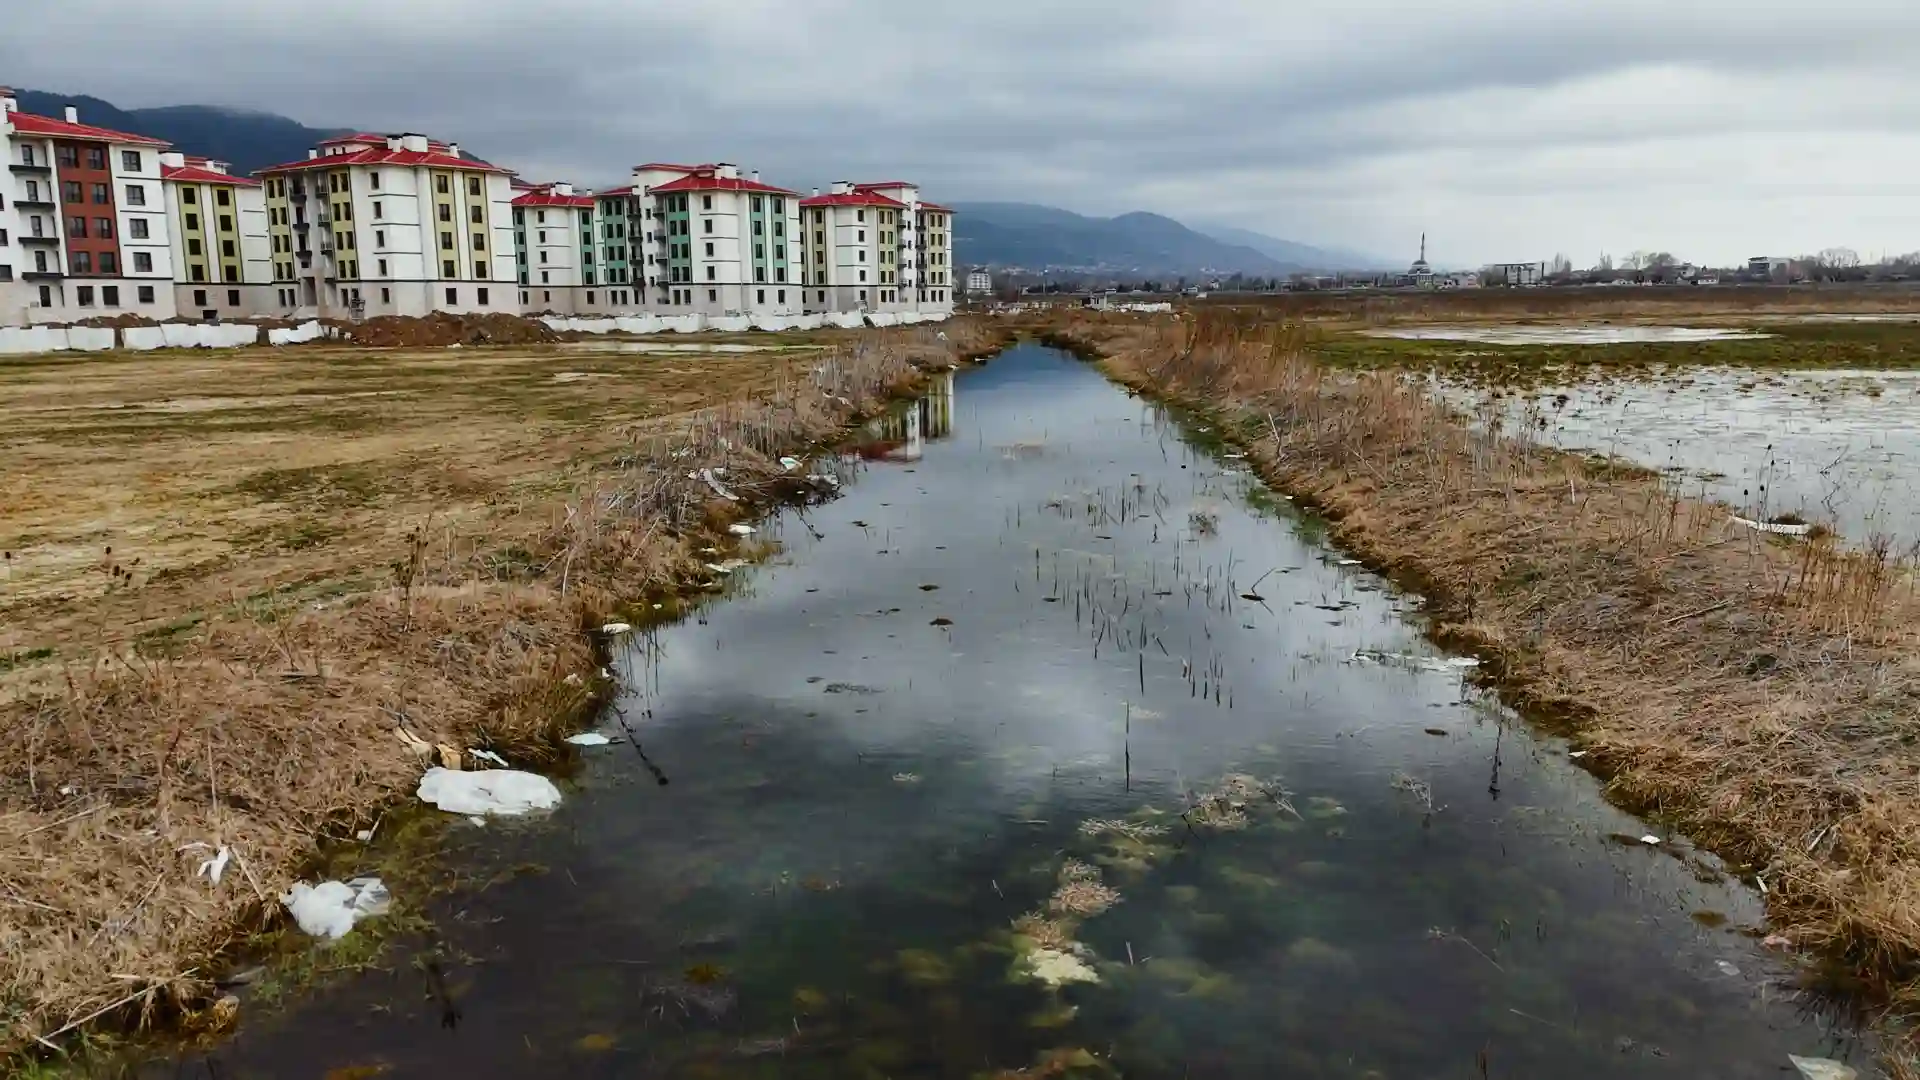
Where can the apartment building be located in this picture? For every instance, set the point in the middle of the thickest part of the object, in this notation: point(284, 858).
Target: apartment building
point(876, 247)
point(553, 233)
point(372, 225)
point(714, 242)
point(219, 241)
point(83, 223)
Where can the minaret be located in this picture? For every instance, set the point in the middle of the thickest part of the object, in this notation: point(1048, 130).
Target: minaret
point(1423, 247)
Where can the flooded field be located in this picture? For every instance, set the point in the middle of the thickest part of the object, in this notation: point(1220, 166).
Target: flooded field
point(1056, 744)
point(1603, 334)
point(1837, 447)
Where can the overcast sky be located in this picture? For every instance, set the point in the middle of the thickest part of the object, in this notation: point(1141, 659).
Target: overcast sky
point(1507, 129)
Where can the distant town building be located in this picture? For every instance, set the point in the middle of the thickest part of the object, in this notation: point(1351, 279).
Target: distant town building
point(1516, 274)
point(876, 247)
point(1766, 266)
point(1421, 273)
point(979, 281)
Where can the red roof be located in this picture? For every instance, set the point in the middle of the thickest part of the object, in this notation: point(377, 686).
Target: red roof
point(29, 124)
point(376, 140)
point(706, 179)
point(675, 168)
point(193, 174)
point(548, 197)
point(856, 198)
point(382, 156)
point(936, 206)
point(884, 184)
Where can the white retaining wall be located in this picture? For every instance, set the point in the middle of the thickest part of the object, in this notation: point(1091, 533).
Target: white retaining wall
point(693, 324)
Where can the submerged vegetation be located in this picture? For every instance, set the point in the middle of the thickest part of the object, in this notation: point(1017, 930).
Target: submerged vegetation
point(1756, 692)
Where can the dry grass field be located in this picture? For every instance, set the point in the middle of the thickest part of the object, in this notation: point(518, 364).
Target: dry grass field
point(231, 581)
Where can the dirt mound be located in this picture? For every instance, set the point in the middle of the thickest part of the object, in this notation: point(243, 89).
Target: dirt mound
point(440, 328)
point(117, 321)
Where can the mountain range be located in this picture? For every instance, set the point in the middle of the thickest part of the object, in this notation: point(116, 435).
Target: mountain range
point(1040, 238)
point(246, 140)
point(997, 234)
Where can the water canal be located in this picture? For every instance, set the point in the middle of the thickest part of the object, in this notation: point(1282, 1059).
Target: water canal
point(1055, 744)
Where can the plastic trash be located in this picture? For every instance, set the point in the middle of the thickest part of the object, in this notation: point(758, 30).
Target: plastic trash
point(1822, 1068)
point(718, 488)
point(328, 910)
point(487, 755)
point(589, 738)
point(1772, 527)
point(215, 866)
point(790, 463)
point(617, 628)
point(1651, 841)
point(503, 792)
point(741, 530)
point(1578, 754)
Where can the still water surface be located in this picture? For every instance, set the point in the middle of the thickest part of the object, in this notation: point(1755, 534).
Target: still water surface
point(1051, 637)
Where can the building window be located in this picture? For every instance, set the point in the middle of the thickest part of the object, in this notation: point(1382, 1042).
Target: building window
point(710, 274)
point(142, 262)
point(482, 296)
point(453, 296)
point(146, 294)
point(446, 241)
point(6, 272)
point(137, 228)
point(68, 156)
point(446, 212)
point(544, 279)
point(222, 197)
point(373, 179)
point(226, 248)
point(109, 263)
point(709, 249)
point(226, 221)
point(136, 195)
point(479, 241)
point(193, 246)
point(70, 191)
point(231, 274)
point(382, 263)
point(760, 296)
point(707, 225)
point(446, 268)
point(386, 296)
point(82, 262)
point(473, 186)
point(480, 271)
point(77, 228)
point(443, 186)
point(46, 296)
point(84, 295)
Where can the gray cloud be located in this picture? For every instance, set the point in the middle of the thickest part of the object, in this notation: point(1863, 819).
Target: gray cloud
point(1508, 128)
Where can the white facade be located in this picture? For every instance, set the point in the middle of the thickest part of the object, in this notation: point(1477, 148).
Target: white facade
point(218, 244)
point(877, 247)
point(979, 282)
point(83, 229)
point(713, 242)
point(553, 239)
point(375, 225)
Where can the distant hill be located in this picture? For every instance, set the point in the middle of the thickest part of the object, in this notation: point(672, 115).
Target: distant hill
point(1292, 251)
point(247, 140)
point(1038, 237)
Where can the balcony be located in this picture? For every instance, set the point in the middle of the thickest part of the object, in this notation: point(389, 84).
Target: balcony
point(303, 226)
point(297, 195)
point(41, 275)
point(31, 168)
point(49, 240)
point(34, 203)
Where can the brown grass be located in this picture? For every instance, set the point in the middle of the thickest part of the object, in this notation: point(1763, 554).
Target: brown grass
point(1761, 695)
point(240, 615)
point(1626, 303)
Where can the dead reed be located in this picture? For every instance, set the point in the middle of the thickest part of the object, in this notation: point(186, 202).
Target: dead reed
point(279, 728)
point(1761, 693)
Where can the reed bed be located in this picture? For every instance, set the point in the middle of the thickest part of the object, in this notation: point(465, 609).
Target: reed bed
point(1758, 693)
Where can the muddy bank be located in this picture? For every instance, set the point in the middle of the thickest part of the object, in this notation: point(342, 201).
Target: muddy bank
point(271, 726)
point(1758, 694)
